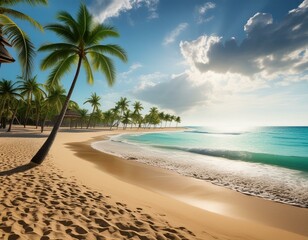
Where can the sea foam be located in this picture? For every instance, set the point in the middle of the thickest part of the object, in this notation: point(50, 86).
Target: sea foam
point(256, 179)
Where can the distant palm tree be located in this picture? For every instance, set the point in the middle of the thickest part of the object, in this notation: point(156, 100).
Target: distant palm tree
point(30, 90)
point(83, 116)
point(94, 101)
point(109, 118)
point(161, 116)
point(154, 116)
point(98, 117)
point(82, 37)
point(122, 104)
point(167, 119)
point(8, 93)
point(16, 35)
point(136, 115)
point(177, 120)
point(126, 118)
point(53, 103)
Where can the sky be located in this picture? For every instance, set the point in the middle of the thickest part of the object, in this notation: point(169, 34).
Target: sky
point(227, 63)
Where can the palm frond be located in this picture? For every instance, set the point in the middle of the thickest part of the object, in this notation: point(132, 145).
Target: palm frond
point(112, 49)
point(105, 65)
point(89, 73)
point(54, 57)
point(57, 46)
point(21, 42)
point(84, 20)
point(60, 69)
point(32, 2)
point(22, 16)
point(68, 20)
point(99, 33)
point(62, 31)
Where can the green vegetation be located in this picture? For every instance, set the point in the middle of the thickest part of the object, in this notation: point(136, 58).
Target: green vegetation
point(14, 99)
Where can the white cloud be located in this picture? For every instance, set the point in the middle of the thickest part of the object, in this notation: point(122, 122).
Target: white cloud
point(104, 9)
point(270, 49)
point(234, 78)
point(131, 69)
point(171, 37)
point(177, 93)
point(202, 12)
point(258, 20)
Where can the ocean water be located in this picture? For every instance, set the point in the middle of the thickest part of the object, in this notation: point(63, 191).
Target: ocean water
point(268, 162)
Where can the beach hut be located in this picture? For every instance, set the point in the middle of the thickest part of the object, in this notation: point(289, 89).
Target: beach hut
point(72, 116)
point(5, 57)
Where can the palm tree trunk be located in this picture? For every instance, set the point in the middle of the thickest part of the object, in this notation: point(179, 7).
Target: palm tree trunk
point(13, 117)
point(43, 151)
point(90, 117)
point(43, 123)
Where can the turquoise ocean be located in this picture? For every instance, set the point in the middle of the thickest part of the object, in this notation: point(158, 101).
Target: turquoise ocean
point(268, 162)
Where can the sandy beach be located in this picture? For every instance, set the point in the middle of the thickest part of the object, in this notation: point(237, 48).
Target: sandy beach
point(82, 193)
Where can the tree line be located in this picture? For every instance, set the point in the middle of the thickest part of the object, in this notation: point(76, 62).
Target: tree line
point(28, 102)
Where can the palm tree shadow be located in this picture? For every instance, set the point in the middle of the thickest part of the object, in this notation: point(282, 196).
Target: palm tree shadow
point(19, 169)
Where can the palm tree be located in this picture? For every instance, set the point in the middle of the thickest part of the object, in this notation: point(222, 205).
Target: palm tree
point(83, 116)
point(136, 115)
point(16, 35)
point(177, 120)
point(122, 104)
point(161, 116)
point(167, 119)
point(126, 118)
point(82, 37)
point(94, 101)
point(53, 103)
point(31, 90)
point(154, 116)
point(98, 117)
point(8, 92)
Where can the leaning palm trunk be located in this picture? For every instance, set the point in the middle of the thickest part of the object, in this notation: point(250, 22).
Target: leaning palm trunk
point(43, 151)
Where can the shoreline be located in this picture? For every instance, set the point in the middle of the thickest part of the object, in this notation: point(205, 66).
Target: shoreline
point(195, 166)
point(237, 216)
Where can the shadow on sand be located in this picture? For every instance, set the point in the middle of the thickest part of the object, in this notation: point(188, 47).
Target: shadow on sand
point(22, 168)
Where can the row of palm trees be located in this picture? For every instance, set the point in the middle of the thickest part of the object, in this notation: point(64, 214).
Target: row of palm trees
point(27, 101)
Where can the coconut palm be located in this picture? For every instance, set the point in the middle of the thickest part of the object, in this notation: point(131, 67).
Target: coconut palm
point(82, 38)
point(83, 113)
point(30, 90)
point(18, 38)
point(136, 115)
point(177, 120)
point(53, 103)
point(94, 101)
point(126, 118)
point(161, 116)
point(167, 119)
point(122, 105)
point(8, 92)
point(98, 117)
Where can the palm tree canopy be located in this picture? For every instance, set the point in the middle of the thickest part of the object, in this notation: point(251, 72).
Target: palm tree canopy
point(18, 38)
point(81, 40)
point(31, 88)
point(56, 98)
point(123, 104)
point(137, 107)
point(8, 90)
point(93, 100)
